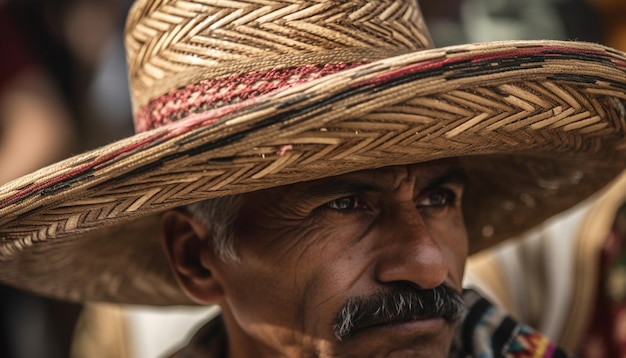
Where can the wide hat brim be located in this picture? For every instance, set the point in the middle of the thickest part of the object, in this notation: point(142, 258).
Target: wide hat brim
point(538, 126)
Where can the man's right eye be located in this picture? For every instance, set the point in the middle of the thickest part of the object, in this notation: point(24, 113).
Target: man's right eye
point(345, 203)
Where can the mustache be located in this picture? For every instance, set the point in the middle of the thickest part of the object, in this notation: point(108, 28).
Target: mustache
point(398, 304)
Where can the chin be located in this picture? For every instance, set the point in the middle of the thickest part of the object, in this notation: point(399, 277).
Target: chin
point(406, 352)
point(413, 339)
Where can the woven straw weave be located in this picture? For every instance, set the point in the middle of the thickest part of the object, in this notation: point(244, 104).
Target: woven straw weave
point(187, 41)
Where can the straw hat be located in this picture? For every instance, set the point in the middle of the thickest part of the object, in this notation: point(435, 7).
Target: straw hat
point(234, 96)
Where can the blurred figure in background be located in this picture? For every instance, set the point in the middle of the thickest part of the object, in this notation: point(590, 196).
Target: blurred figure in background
point(461, 21)
point(37, 127)
point(613, 14)
point(50, 52)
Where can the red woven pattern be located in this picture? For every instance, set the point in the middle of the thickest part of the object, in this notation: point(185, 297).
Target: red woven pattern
point(219, 92)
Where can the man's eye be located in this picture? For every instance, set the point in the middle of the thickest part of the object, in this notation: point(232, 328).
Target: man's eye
point(438, 199)
point(345, 203)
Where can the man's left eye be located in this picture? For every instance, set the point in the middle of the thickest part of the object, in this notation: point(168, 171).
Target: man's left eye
point(345, 203)
point(438, 199)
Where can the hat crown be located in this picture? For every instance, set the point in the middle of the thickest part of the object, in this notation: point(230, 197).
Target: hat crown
point(173, 43)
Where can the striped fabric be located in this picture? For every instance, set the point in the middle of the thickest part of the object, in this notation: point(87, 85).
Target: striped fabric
point(488, 331)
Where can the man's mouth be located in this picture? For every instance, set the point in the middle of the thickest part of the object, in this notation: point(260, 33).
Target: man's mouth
point(415, 327)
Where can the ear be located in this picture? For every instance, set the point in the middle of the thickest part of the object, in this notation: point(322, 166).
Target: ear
point(187, 246)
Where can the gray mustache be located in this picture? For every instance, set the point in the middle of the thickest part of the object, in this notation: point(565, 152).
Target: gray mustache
point(398, 304)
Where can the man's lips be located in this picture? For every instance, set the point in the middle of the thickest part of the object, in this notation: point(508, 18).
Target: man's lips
point(419, 323)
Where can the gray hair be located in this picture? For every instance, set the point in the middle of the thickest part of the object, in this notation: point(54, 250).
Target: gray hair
point(218, 215)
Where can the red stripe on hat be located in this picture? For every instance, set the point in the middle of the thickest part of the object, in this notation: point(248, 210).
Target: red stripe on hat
point(219, 92)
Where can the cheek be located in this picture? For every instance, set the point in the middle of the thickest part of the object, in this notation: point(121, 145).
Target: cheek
point(262, 296)
point(326, 263)
point(293, 278)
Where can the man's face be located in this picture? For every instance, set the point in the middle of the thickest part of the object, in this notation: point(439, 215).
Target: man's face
point(312, 250)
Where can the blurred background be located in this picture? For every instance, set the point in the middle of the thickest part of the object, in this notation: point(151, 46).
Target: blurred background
point(63, 90)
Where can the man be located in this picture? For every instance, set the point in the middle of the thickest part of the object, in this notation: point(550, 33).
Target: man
point(318, 171)
point(331, 267)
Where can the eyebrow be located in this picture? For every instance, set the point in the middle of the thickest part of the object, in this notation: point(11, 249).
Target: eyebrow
point(332, 187)
point(455, 175)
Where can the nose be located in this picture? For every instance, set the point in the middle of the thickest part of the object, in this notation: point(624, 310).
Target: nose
point(408, 252)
